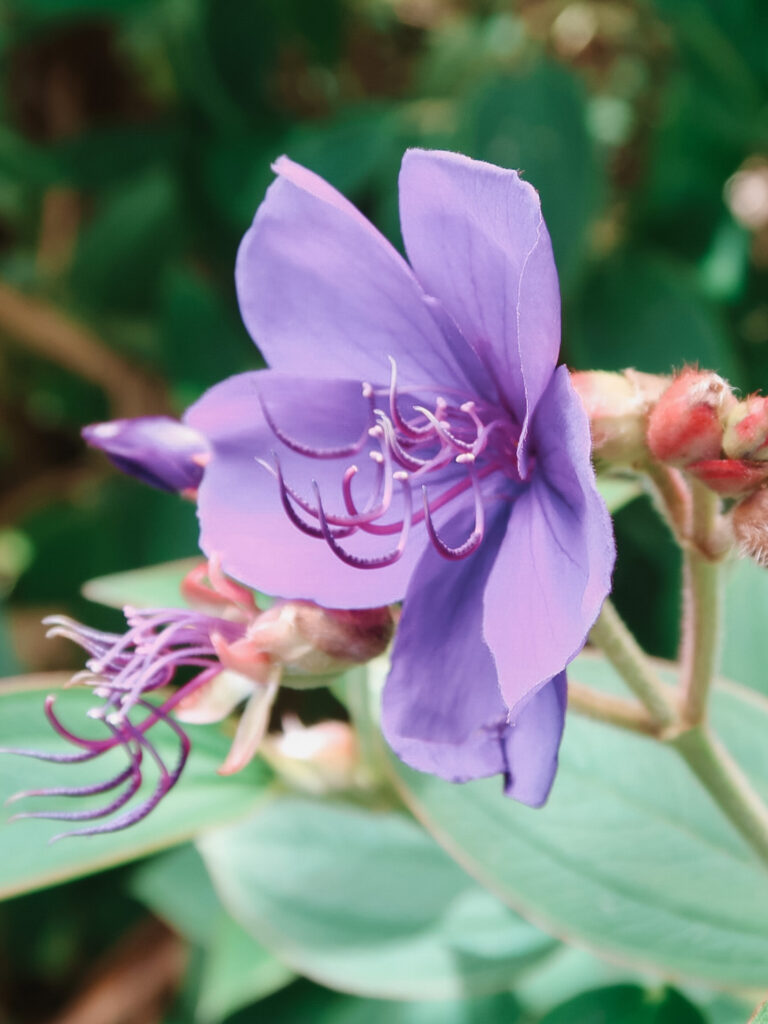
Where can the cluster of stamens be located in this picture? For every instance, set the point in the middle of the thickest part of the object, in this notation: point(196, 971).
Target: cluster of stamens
point(408, 450)
point(122, 670)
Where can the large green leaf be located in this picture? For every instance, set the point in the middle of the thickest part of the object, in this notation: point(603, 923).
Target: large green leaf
point(201, 800)
point(745, 638)
point(760, 1015)
point(366, 902)
point(630, 856)
point(236, 969)
point(628, 1004)
point(158, 586)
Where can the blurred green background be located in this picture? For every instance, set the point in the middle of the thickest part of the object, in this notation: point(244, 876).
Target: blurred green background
point(135, 145)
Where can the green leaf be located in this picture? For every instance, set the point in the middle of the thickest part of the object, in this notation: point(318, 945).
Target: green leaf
point(628, 1004)
point(629, 855)
point(645, 312)
point(537, 122)
point(201, 800)
point(236, 969)
point(745, 638)
point(304, 1002)
point(366, 902)
point(158, 586)
point(618, 492)
point(760, 1015)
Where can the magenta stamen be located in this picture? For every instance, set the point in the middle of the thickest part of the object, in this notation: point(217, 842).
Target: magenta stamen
point(367, 563)
point(343, 452)
point(408, 429)
point(472, 543)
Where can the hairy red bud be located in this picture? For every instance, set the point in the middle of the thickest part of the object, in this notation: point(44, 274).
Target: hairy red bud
point(746, 431)
point(617, 405)
point(686, 425)
point(729, 477)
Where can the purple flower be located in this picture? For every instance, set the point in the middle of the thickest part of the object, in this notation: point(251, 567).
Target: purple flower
point(422, 444)
point(158, 450)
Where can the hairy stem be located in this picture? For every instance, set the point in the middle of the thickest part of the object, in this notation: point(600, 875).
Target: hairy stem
point(604, 707)
point(621, 649)
point(726, 784)
point(702, 606)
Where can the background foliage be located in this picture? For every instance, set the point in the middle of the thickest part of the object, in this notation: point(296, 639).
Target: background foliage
point(135, 144)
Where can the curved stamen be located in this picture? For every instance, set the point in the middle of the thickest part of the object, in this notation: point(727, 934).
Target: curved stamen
point(133, 774)
point(287, 494)
point(369, 563)
point(99, 787)
point(406, 459)
point(472, 543)
point(345, 451)
point(408, 429)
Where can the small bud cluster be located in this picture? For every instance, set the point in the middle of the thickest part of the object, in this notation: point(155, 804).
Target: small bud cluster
point(700, 426)
point(618, 406)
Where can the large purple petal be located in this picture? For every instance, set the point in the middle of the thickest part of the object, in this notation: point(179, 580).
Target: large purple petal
point(554, 566)
point(443, 684)
point(241, 514)
point(442, 711)
point(524, 752)
point(476, 239)
point(321, 289)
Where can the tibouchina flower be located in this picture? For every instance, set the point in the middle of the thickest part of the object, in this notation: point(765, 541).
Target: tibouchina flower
point(414, 439)
point(422, 444)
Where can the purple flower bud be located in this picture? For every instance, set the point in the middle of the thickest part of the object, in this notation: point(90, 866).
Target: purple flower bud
point(158, 450)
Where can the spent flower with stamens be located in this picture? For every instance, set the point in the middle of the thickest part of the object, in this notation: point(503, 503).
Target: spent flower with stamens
point(414, 439)
point(231, 652)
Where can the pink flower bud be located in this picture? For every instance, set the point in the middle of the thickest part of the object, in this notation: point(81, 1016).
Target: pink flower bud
point(750, 526)
point(319, 759)
point(686, 424)
point(746, 431)
point(729, 477)
point(617, 405)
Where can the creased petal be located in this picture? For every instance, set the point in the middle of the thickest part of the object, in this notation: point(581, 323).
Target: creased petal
point(241, 514)
point(532, 743)
point(443, 685)
point(554, 565)
point(476, 239)
point(524, 752)
point(321, 289)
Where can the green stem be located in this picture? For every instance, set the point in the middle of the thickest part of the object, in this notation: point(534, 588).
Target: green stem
point(702, 607)
point(726, 784)
point(611, 635)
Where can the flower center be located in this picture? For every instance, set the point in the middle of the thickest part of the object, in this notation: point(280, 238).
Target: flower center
point(445, 451)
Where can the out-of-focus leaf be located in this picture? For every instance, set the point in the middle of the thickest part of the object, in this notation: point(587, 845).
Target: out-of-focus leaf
point(608, 861)
point(565, 974)
point(760, 1015)
point(101, 159)
point(325, 146)
point(158, 586)
point(643, 312)
point(236, 969)
point(366, 902)
point(304, 1002)
point(201, 800)
point(628, 1004)
point(618, 492)
point(745, 638)
point(202, 337)
point(8, 662)
point(121, 252)
point(536, 123)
